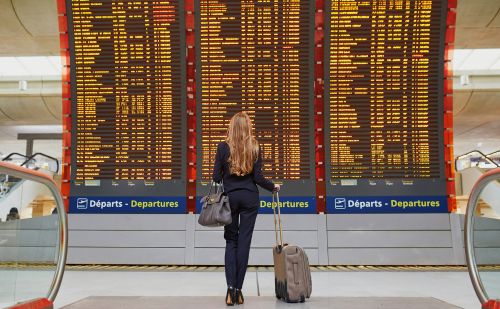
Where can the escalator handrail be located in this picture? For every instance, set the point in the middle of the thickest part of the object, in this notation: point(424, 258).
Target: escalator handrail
point(7, 158)
point(29, 174)
point(489, 155)
point(475, 151)
point(480, 184)
point(42, 155)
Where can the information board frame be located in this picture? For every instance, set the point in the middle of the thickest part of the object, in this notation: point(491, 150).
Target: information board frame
point(292, 190)
point(385, 187)
point(174, 189)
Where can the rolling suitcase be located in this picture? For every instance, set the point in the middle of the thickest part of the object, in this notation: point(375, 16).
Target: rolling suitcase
point(292, 275)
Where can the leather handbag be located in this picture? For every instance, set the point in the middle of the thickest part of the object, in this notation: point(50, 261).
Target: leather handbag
point(215, 210)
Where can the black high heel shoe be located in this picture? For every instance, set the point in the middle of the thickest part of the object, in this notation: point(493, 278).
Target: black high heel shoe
point(239, 297)
point(230, 296)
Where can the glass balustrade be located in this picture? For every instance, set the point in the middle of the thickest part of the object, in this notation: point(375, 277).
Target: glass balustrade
point(32, 235)
point(482, 236)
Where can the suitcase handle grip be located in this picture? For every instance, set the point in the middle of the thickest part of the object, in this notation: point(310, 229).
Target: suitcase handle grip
point(277, 223)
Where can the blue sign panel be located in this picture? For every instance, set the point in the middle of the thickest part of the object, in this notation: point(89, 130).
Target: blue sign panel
point(143, 205)
point(386, 204)
point(288, 204)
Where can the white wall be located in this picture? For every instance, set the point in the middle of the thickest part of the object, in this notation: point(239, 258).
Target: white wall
point(381, 239)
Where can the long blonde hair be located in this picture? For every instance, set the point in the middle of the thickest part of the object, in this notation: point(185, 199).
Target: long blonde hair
point(243, 146)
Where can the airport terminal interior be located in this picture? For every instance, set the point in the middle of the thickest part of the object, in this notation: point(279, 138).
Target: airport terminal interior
point(379, 119)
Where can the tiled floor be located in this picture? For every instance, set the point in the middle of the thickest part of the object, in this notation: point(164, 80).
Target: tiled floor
point(255, 302)
point(451, 287)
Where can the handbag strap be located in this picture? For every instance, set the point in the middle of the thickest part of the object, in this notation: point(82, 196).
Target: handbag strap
point(210, 188)
point(219, 186)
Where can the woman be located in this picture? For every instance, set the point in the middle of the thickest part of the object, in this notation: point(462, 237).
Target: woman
point(238, 163)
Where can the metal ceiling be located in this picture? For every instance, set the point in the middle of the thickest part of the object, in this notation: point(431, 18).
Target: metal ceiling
point(29, 28)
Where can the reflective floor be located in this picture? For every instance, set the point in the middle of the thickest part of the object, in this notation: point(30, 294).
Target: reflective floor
point(452, 287)
point(491, 282)
point(23, 284)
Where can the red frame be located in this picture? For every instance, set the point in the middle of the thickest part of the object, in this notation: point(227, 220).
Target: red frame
point(40, 303)
point(491, 304)
point(448, 105)
point(319, 105)
point(191, 106)
point(66, 101)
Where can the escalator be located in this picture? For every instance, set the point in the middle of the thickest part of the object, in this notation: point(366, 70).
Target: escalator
point(470, 167)
point(33, 234)
point(482, 239)
point(38, 162)
point(478, 187)
point(476, 158)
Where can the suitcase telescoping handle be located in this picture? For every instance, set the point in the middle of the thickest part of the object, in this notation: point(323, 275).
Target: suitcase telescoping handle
point(277, 223)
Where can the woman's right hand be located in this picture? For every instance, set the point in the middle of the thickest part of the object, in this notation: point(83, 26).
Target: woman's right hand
point(277, 187)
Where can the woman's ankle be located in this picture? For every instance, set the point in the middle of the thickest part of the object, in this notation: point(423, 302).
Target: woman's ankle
point(239, 296)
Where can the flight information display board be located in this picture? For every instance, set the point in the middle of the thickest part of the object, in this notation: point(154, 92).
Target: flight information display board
point(383, 95)
point(256, 56)
point(128, 98)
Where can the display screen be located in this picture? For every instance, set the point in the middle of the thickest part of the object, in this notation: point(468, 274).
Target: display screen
point(127, 97)
point(383, 95)
point(383, 74)
point(256, 56)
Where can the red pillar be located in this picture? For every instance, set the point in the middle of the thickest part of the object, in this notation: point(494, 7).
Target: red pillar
point(66, 101)
point(319, 106)
point(449, 158)
point(191, 105)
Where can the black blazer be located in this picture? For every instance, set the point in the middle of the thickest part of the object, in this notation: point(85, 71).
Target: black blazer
point(234, 182)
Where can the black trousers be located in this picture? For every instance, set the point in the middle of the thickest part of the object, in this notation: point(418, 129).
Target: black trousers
point(238, 235)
